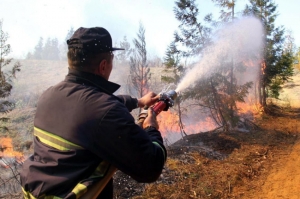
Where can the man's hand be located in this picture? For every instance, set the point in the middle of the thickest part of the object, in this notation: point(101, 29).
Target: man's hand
point(148, 100)
point(150, 119)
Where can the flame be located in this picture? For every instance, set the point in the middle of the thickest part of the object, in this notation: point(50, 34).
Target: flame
point(249, 63)
point(205, 125)
point(169, 123)
point(250, 108)
point(263, 67)
point(7, 151)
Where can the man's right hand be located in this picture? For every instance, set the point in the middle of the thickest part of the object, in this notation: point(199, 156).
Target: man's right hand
point(150, 119)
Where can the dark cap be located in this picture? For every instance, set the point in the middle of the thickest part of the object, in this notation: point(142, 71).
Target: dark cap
point(96, 39)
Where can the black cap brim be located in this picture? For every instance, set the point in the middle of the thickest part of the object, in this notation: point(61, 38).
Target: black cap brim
point(113, 49)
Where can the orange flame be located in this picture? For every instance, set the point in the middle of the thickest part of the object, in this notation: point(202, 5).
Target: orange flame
point(263, 67)
point(169, 123)
point(7, 151)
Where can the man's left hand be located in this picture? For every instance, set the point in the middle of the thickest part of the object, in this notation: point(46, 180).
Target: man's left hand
point(148, 99)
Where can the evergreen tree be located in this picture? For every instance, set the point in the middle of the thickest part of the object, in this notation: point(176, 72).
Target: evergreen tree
point(6, 77)
point(220, 92)
point(233, 92)
point(139, 68)
point(47, 49)
point(29, 55)
point(50, 50)
point(70, 33)
point(124, 55)
point(54, 50)
point(276, 62)
point(228, 9)
point(193, 34)
point(38, 50)
point(63, 49)
point(173, 65)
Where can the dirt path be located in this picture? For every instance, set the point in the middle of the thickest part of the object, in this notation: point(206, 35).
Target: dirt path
point(284, 180)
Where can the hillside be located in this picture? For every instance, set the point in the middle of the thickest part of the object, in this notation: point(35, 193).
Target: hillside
point(261, 163)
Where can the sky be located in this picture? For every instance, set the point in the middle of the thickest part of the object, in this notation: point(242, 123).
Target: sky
point(27, 20)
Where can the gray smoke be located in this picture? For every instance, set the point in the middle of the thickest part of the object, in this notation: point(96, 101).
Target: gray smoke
point(239, 41)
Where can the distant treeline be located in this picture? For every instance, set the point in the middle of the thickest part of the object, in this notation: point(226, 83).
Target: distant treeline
point(50, 49)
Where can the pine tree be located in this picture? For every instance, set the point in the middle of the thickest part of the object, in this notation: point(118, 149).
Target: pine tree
point(192, 37)
point(124, 55)
point(6, 77)
point(54, 51)
point(38, 50)
point(276, 61)
point(139, 68)
point(63, 48)
point(228, 9)
point(219, 92)
point(193, 34)
point(173, 65)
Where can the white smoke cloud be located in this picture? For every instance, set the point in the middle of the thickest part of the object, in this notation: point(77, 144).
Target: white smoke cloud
point(237, 41)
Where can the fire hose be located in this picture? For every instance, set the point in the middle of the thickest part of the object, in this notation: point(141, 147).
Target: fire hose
point(165, 101)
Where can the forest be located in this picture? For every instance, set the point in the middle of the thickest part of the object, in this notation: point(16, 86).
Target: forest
point(237, 77)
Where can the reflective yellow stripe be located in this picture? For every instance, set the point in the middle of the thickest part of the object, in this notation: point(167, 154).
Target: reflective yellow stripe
point(54, 140)
point(101, 170)
point(79, 190)
point(28, 195)
point(161, 148)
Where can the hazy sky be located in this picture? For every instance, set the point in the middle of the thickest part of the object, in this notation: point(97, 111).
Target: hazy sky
point(27, 20)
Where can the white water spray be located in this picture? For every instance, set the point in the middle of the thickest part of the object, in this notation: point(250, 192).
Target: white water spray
point(238, 41)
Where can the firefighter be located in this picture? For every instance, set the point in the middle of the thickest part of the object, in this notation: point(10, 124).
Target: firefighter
point(81, 129)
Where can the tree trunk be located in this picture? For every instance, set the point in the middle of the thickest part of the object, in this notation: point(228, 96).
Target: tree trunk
point(180, 121)
point(218, 106)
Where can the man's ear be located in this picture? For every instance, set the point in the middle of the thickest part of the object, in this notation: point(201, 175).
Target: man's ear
point(102, 67)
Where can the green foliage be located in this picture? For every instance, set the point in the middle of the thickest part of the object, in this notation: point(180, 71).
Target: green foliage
point(227, 9)
point(277, 61)
point(172, 64)
point(48, 51)
point(124, 55)
point(193, 35)
point(64, 47)
point(139, 68)
point(220, 92)
point(51, 49)
point(6, 77)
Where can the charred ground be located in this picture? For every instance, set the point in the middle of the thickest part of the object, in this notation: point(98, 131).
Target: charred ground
point(220, 164)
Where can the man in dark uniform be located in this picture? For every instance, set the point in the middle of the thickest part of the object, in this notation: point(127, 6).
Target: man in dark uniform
point(81, 129)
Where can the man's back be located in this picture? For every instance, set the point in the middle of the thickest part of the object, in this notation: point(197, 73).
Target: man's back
point(79, 132)
point(81, 129)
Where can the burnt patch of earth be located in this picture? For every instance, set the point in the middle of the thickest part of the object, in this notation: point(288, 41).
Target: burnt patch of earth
point(213, 145)
point(125, 187)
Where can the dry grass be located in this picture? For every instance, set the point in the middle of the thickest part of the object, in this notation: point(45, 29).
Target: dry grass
point(241, 174)
point(248, 157)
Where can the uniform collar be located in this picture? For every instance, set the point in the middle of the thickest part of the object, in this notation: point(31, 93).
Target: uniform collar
point(90, 78)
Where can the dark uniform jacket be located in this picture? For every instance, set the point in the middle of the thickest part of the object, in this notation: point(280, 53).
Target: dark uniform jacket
point(81, 129)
